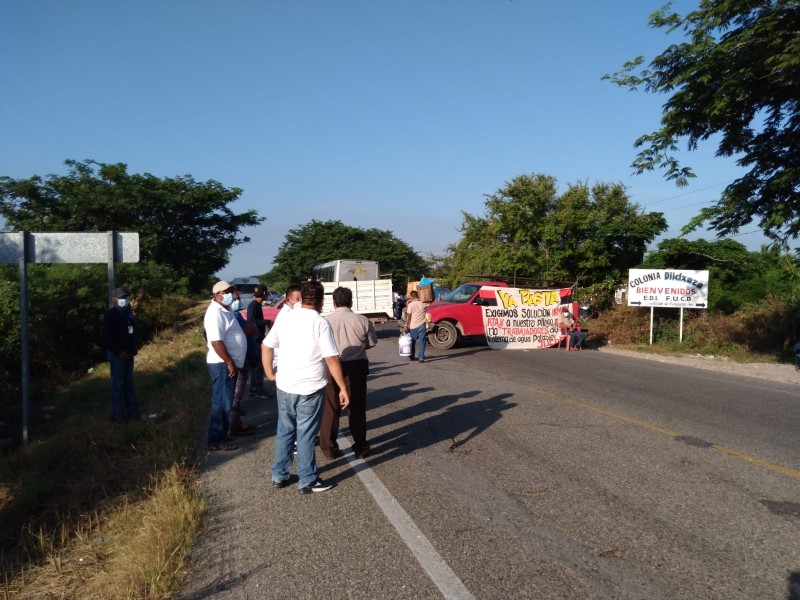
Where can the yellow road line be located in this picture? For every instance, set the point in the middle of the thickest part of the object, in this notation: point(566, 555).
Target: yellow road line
point(757, 461)
point(668, 432)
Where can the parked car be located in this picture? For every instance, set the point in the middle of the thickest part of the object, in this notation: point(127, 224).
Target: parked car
point(246, 286)
point(272, 297)
point(439, 292)
point(460, 313)
point(271, 311)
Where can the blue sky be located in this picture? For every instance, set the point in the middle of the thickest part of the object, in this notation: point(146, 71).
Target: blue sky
point(394, 115)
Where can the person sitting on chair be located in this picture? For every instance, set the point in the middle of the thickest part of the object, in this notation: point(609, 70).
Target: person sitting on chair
point(567, 323)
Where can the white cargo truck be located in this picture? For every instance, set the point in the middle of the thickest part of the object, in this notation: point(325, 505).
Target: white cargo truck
point(372, 296)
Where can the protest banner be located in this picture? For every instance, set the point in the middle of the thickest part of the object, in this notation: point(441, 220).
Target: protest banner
point(524, 319)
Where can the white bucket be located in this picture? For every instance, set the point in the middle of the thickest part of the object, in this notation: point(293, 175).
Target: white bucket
point(405, 344)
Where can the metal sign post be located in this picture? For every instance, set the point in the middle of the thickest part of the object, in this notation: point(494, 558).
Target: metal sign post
point(48, 248)
point(24, 337)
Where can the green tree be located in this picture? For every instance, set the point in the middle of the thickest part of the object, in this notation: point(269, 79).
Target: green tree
point(184, 224)
point(321, 241)
point(583, 235)
point(737, 76)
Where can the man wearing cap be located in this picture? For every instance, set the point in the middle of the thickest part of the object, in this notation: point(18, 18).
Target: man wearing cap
point(227, 349)
point(120, 345)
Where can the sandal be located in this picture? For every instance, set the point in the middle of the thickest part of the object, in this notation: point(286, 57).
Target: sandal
point(223, 447)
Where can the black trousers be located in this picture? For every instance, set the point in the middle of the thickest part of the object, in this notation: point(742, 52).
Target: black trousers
point(355, 377)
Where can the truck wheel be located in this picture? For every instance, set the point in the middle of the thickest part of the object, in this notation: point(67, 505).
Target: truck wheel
point(444, 336)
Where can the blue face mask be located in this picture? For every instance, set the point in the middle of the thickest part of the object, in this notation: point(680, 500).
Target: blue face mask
point(227, 299)
point(235, 305)
point(122, 302)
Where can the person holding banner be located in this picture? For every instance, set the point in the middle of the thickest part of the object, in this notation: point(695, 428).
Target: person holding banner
point(567, 323)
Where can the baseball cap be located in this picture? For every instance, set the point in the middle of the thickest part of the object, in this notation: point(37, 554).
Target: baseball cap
point(221, 286)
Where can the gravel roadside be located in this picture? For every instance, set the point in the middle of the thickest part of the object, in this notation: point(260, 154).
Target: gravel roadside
point(785, 373)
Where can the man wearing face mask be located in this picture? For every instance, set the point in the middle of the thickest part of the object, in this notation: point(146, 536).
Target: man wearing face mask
point(293, 298)
point(227, 349)
point(120, 345)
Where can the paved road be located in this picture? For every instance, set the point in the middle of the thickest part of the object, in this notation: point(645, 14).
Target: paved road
point(540, 474)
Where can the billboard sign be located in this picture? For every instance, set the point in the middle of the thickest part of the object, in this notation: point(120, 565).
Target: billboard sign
point(70, 247)
point(668, 287)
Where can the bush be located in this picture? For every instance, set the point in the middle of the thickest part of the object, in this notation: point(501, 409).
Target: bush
point(66, 304)
point(770, 327)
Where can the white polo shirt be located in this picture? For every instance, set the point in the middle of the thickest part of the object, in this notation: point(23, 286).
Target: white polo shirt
point(222, 326)
point(305, 340)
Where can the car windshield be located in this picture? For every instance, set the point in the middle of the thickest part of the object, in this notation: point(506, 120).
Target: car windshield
point(462, 293)
point(246, 288)
point(440, 292)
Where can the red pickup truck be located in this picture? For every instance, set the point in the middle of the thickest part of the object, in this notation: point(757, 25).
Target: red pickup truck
point(460, 313)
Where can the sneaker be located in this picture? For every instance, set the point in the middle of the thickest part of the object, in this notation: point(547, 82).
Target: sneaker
point(422, 360)
point(280, 484)
point(317, 486)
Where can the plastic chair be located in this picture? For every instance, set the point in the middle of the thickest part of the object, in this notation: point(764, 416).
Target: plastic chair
point(563, 337)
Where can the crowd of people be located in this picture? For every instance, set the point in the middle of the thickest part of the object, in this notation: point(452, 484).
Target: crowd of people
point(319, 366)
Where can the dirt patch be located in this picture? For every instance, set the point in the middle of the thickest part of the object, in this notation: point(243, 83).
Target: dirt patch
point(772, 371)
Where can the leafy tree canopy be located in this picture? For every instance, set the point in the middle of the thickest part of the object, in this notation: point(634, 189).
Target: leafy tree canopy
point(583, 235)
point(321, 241)
point(182, 223)
point(737, 276)
point(736, 75)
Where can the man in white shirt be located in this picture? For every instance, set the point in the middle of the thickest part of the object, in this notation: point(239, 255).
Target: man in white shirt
point(308, 353)
point(227, 350)
point(292, 299)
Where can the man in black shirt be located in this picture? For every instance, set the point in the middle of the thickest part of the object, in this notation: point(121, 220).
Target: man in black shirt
point(120, 345)
point(255, 315)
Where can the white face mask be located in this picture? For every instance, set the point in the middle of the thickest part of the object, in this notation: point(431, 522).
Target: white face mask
point(122, 302)
point(227, 299)
point(235, 305)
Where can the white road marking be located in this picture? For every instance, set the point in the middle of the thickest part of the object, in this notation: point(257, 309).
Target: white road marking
point(437, 569)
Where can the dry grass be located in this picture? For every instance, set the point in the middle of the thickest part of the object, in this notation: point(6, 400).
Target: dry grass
point(765, 332)
point(94, 511)
point(125, 551)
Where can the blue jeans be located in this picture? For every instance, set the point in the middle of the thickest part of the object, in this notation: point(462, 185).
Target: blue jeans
point(123, 393)
point(576, 338)
point(298, 419)
point(418, 335)
point(222, 389)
